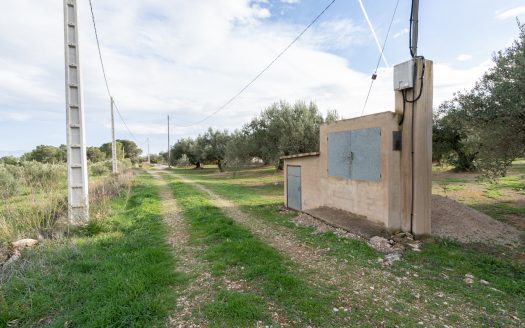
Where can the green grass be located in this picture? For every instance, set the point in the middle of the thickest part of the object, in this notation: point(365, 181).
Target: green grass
point(441, 266)
point(501, 199)
point(118, 273)
point(235, 309)
point(493, 193)
point(232, 249)
point(260, 195)
point(499, 210)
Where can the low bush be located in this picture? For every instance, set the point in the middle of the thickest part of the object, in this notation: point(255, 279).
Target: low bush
point(8, 183)
point(33, 197)
point(43, 176)
point(100, 168)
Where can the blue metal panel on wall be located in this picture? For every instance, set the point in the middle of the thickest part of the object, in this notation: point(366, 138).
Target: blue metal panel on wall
point(294, 187)
point(366, 154)
point(339, 154)
point(355, 154)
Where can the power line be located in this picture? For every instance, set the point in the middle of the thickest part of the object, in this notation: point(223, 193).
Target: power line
point(374, 75)
point(127, 128)
point(98, 47)
point(105, 75)
point(265, 68)
point(372, 30)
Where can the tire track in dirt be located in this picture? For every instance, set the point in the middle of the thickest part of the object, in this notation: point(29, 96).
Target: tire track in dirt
point(200, 288)
point(355, 284)
point(204, 286)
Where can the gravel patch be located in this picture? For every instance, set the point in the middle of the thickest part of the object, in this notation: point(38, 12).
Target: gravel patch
point(453, 220)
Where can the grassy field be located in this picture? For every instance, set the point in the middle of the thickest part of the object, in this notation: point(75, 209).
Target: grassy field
point(33, 197)
point(118, 272)
point(439, 269)
point(232, 256)
point(271, 277)
point(503, 200)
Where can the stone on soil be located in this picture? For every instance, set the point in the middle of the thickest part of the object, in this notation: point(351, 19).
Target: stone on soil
point(24, 243)
point(380, 244)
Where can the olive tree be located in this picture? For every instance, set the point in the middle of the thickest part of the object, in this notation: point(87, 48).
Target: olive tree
point(492, 114)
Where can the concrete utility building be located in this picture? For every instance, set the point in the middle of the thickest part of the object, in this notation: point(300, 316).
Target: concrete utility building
point(369, 166)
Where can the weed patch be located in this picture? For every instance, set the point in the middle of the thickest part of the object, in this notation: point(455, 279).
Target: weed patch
point(121, 275)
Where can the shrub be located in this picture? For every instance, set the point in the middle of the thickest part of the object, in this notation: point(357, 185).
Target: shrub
point(43, 176)
point(100, 168)
point(43, 208)
point(183, 161)
point(9, 185)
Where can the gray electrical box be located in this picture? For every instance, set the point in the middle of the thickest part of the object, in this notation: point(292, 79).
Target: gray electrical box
point(404, 75)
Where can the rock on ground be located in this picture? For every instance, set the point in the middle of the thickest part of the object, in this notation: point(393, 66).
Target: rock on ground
point(380, 244)
point(24, 243)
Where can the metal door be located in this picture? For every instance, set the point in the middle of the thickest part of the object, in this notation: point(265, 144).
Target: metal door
point(366, 154)
point(339, 154)
point(294, 187)
point(355, 154)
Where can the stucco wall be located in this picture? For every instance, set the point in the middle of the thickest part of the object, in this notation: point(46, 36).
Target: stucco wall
point(379, 200)
point(310, 182)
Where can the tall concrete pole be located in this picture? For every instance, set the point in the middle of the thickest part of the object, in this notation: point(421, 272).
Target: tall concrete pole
point(77, 170)
point(113, 141)
point(169, 150)
point(149, 159)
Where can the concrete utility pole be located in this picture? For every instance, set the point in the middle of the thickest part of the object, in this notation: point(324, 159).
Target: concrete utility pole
point(149, 159)
point(113, 141)
point(414, 106)
point(169, 152)
point(77, 176)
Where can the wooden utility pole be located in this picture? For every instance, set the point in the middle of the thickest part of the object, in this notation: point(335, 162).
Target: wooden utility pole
point(77, 176)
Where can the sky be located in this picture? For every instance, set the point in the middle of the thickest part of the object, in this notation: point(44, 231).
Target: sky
point(187, 58)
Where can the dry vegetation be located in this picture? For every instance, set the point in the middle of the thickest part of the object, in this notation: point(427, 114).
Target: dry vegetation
point(34, 198)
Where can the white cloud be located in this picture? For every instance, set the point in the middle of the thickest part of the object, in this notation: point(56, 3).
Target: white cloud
point(290, 1)
point(401, 33)
point(464, 57)
point(511, 13)
point(336, 34)
point(183, 58)
point(14, 116)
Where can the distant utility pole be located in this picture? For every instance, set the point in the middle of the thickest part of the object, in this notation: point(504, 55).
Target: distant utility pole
point(77, 177)
point(169, 152)
point(113, 141)
point(149, 159)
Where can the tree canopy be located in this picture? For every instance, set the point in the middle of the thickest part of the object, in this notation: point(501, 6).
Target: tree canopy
point(209, 147)
point(281, 129)
point(488, 122)
point(52, 154)
point(46, 154)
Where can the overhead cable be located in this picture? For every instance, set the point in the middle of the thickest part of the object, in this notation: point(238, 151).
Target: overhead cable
point(246, 86)
point(104, 72)
point(374, 75)
point(373, 31)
